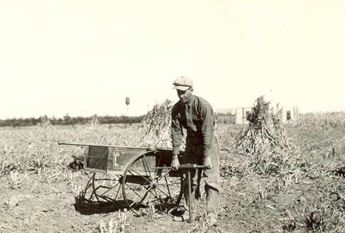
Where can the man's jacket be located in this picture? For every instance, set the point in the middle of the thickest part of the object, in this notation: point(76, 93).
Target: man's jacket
point(197, 117)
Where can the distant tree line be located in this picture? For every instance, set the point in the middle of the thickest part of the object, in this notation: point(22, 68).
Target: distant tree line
point(68, 120)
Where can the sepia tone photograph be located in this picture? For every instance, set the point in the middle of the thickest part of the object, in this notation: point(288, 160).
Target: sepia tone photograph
point(195, 116)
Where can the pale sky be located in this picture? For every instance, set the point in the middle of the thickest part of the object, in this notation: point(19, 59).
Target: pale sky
point(85, 57)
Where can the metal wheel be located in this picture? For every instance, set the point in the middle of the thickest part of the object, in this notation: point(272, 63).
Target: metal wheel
point(104, 188)
point(148, 188)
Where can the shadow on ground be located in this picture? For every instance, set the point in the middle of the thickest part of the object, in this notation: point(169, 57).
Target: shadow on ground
point(98, 207)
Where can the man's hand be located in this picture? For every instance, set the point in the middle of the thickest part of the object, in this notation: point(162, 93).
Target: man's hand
point(175, 163)
point(207, 163)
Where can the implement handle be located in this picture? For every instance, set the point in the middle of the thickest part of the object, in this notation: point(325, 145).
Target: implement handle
point(186, 166)
point(119, 147)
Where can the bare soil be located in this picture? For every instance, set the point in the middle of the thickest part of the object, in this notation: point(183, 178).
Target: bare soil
point(44, 200)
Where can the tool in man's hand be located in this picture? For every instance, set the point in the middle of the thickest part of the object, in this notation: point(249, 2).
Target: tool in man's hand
point(189, 167)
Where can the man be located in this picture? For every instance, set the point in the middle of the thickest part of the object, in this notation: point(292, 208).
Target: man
point(195, 115)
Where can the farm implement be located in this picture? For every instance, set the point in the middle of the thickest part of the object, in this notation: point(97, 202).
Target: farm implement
point(139, 177)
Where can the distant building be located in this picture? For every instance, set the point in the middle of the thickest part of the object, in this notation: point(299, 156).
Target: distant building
point(239, 114)
point(242, 114)
point(289, 113)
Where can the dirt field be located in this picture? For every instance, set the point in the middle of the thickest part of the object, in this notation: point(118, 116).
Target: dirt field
point(38, 190)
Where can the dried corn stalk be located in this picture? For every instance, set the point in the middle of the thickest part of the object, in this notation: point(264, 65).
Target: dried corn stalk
point(156, 129)
point(265, 138)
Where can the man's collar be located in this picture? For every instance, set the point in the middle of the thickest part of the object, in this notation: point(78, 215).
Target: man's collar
point(190, 100)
